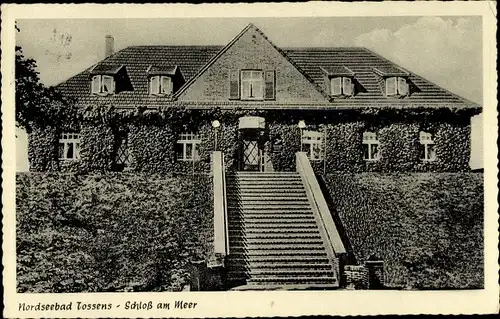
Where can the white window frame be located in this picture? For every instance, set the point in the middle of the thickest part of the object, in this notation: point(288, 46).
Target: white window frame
point(370, 139)
point(400, 86)
point(160, 89)
point(427, 141)
point(310, 139)
point(101, 79)
point(252, 83)
point(67, 139)
point(339, 85)
point(184, 140)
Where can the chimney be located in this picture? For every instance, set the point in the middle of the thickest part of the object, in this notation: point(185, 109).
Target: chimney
point(109, 46)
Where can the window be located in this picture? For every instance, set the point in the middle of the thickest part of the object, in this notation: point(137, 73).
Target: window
point(341, 86)
point(370, 146)
point(396, 86)
point(187, 147)
point(252, 84)
point(427, 147)
point(103, 84)
point(69, 146)
point(123, 153)
point(160, 85)
point(312, 144)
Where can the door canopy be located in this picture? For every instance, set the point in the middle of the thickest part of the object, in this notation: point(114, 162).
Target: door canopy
point(255, 122)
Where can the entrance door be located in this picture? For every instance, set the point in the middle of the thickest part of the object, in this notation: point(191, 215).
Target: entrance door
point(251, 150)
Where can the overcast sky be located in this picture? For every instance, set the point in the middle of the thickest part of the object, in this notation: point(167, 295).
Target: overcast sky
point(445, 50)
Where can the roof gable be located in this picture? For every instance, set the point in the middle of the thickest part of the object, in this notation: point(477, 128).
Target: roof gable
point(251, 50)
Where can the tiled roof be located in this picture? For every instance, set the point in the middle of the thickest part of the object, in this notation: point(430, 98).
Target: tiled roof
point(137, 60)
point(163, 70)
point(312, 62)
point(105, 68)
point(362, 61)
point(337, 70)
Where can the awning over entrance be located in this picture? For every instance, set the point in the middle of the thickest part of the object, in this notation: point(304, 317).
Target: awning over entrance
point(255, 122)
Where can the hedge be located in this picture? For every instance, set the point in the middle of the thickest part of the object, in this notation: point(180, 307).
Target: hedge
point(426, 227)
point(113, 232)
point(152, 136)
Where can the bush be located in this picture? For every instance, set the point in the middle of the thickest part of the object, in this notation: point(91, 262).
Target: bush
point(427, 227)
point(110, 232)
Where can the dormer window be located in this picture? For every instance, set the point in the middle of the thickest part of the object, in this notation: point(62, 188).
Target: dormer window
point(160, 85)
point(395, 85)
point(339, 80)
point(103, 84)
point(341, 85)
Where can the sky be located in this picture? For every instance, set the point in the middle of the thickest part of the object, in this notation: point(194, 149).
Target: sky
point(444, 50)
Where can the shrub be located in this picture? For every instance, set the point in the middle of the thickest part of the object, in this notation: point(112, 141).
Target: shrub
point(78, 233)
point(427, 227)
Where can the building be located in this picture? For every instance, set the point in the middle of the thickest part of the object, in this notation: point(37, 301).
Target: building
point(359, 111)
point(283, 114)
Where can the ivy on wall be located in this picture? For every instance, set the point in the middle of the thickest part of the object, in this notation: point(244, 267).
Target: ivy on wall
point(343, 147)
point(153, 134)
point(42, 150)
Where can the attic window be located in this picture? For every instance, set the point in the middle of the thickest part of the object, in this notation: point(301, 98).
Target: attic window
point(396, 86)
point(252, 85)
point(103, 84)
point(160, 85)
point(341, 85)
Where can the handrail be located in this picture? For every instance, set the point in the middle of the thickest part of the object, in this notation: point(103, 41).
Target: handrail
point(221, 241)
point(311, 184)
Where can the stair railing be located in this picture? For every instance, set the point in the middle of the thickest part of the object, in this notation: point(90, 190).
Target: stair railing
point(320, 205)
point(221, 238)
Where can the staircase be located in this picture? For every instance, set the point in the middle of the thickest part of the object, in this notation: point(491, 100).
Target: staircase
point(275, 238)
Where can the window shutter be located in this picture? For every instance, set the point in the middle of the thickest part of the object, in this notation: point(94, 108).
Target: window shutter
point(154, 85)
point(337, 86)
point(166, 85)
point(234, 85)
point(390, 86)
point(402, 86)
point(270, 85)
point(347, 86)
point(96, 85)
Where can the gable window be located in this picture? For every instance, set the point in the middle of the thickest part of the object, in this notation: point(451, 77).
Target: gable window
point(312, 144)
point(341, 86)
point(160, 84)
point(370, 146)
point(252, 85)
point(69, 146)
point(396, 86)
point(427, 147)
point(187, 147)
point(103, 84)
